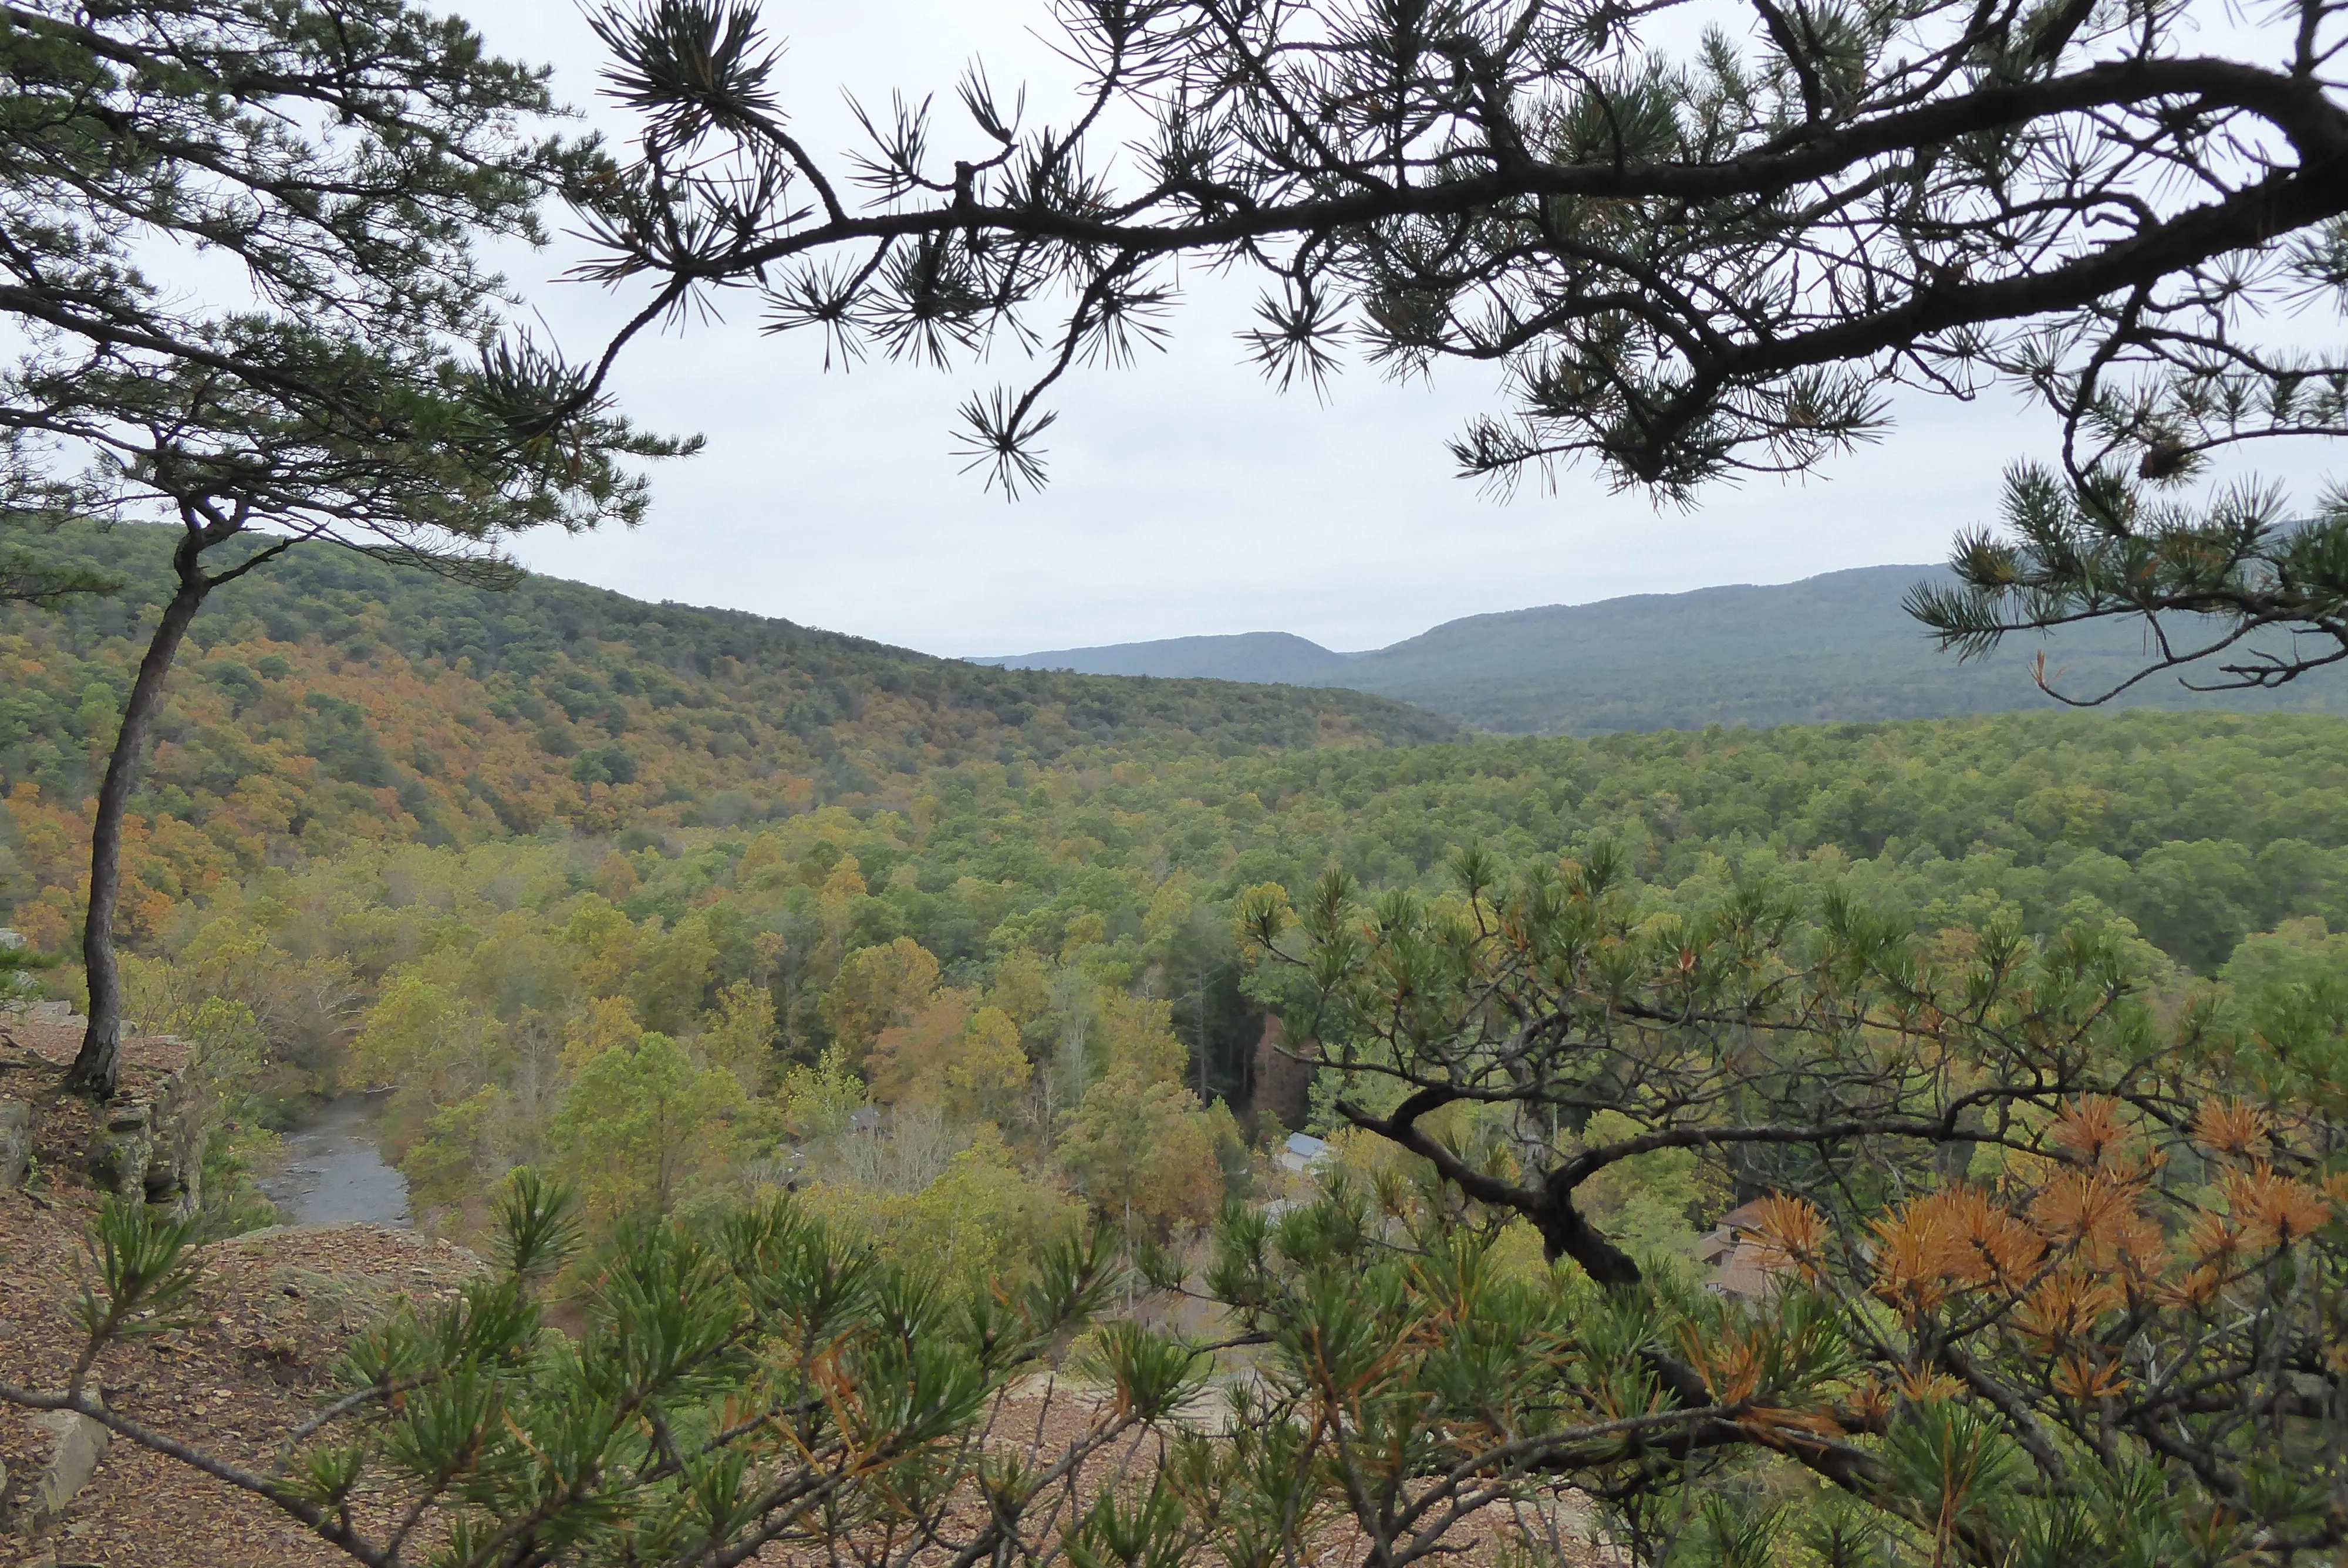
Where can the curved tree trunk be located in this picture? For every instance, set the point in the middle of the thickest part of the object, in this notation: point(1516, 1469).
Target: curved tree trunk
point(98, 1066)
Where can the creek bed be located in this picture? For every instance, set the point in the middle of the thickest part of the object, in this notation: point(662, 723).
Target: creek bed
point(334, 1173)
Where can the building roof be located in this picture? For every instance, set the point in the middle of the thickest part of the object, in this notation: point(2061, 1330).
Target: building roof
point(1740, 1268)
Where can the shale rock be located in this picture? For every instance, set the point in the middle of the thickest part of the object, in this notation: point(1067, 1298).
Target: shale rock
point(78, 1444)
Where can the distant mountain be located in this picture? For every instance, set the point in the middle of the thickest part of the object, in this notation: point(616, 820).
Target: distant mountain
point(1278, 658)
point(1831, 648)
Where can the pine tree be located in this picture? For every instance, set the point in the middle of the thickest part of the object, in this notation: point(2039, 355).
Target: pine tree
point(1696, 258)
point(352, 381)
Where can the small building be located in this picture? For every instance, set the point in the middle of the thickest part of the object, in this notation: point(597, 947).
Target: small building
point(1733, 1251)
point(1303, 1153)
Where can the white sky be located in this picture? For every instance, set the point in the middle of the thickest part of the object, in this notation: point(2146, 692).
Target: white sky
point(1186, 495)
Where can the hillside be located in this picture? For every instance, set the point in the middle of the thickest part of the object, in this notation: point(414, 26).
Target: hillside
point(329, 700)
point(1836, 647)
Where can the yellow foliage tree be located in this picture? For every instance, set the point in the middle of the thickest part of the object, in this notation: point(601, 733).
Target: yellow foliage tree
point(761, 863)
point(418, 1037)
point(983, 1221)
point(1137, 1037)
point(1169, 907)
point(606, 1023)
point(877, 988)
point(1144, 1154)
point(1022, 988)
point(1085, 931)
point(606, 942)
point(988, 1071)
point(741, 1035)
point(841, 893)
point(615, 879)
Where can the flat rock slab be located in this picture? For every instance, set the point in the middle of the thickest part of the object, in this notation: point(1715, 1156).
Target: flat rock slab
point(78, 1443)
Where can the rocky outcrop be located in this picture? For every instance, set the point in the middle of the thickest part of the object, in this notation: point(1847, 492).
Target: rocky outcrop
point(148, 1141)
point(150, 1147)
point(123, 1146)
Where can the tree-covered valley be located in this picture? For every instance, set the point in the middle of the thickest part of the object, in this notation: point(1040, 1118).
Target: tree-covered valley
point(681, 908)
point(849, 1107)
point(335, 701)
point(434, 838)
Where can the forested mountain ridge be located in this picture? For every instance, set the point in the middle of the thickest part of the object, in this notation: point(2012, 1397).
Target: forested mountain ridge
point(1261, 657)
point(328, 699)
point(1836, 648)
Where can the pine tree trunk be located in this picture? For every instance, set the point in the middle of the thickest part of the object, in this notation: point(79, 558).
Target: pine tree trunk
point(98, 1066)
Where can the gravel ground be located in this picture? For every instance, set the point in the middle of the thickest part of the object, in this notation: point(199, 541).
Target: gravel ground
point(274, 1314)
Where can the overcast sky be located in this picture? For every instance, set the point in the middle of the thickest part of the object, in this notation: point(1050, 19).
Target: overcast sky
point(1186, 496)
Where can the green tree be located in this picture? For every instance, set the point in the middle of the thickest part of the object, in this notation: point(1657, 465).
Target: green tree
point(1143, 1153)
point(741, 1034)
point(989, 1070)
point(29, 575)
point(672, 974)
point(432, 1047)
point(355, 384)
point(815, 1102)
point(2302, 952)
point(642, 1126)
point(980, 1225)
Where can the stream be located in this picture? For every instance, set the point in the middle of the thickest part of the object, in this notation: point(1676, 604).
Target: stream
point(334, 1173)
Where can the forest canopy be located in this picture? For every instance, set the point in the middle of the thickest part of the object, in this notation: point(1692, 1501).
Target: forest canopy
point(1904, 1143)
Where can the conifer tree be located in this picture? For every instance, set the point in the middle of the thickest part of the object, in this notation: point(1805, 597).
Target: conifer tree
point(1696, 257)
point(240, 266)
point(2042, 1270)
